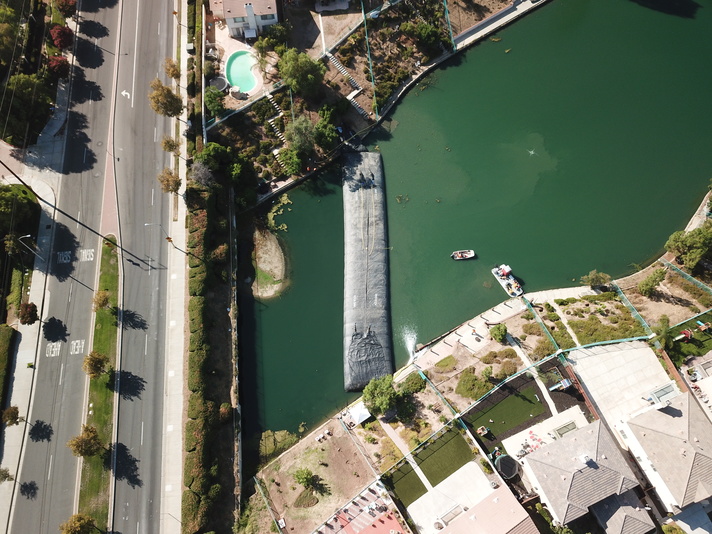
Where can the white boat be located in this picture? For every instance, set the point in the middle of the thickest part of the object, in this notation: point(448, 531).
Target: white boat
point(463, 255)
point(503, 274)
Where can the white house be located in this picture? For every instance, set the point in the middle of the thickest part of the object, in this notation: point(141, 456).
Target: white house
point(246, 19)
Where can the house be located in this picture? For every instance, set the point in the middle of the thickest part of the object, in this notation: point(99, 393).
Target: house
point(584, 471)
point(245, 19)
point(672, 443)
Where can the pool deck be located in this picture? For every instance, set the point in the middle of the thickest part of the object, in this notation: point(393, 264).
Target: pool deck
point(231, 45)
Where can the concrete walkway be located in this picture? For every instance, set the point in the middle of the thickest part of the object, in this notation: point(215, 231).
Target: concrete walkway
point(403, 447)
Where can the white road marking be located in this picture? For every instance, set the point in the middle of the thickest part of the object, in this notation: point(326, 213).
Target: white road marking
point(141, 432)
point(71, 287)
point(159, 28)
point(155, 134)
point(145, 346)
point(49, 471)
point(96, 43)
point(78, 214)
point(85, 155)
point(152, 193)
point(61, 374)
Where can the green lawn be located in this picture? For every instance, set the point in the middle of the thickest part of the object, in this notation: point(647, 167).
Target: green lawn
point(94, 493)
point(406, 484)
point(441, 457)
point(701, 342)
point(513, 410)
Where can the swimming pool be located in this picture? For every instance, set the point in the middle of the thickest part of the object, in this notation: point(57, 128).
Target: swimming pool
point(239, 71)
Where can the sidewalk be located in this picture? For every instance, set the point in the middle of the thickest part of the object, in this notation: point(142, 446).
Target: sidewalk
point(172, 468)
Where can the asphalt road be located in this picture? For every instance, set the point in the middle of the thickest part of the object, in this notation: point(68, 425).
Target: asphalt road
point(49, 474)
point(147, 38)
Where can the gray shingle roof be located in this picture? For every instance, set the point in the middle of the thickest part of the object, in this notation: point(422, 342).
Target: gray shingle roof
point(622, 514)
point(678, 441)
point(579, 470)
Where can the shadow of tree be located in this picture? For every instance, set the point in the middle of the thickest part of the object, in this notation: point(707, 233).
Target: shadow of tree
point(320, 486)
point(93, 29)
point(126, 465)
point(130, 385)
point(41, 431)
point(81, 158)
point(54, 329)
point(84, 90)
point(88, 54)
point(129, 319)
point(93, 6)
point(29, 489)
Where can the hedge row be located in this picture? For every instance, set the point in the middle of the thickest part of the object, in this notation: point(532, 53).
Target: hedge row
point(200, 470)
point(7, 337)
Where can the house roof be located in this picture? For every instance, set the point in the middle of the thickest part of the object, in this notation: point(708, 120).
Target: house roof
point(677, 439)
point(623, 514)
point(236, 8)
point(579, 470)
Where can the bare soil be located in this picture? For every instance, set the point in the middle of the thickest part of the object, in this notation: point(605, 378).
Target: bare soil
point(269, 258)
point(338, 463)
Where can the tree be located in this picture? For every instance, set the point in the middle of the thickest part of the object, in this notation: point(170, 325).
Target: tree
point(202, 174)
point(8, 33)
point(325, 134)
point(499, 332)
point(214, 101)
point(663, 333)
point(11, 416)
point(58, 66)
point(595, 279)
point(163, 100)
point(11, 244)
point(5, 475)
point(62, 36)
point(171, 68)
point(28, 313)
point(291, 160)
point(66, 7)
point(300, 135)
point(169, 180)
point(101, 299)
point(304, 477)
point(301, 73)
point(648, 286)
point(379, 395)
point(94, 364)
point(691, 247)
point(88, 443)
point(78, 524)
point(170, 144)
point(215, 156)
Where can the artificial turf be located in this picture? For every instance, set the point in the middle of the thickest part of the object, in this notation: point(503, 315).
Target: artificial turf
point(443, 456)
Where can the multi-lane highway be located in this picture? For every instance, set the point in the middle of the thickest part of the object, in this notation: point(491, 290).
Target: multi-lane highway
point(111, 133)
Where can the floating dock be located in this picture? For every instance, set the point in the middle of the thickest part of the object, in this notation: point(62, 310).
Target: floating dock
point(368, 346)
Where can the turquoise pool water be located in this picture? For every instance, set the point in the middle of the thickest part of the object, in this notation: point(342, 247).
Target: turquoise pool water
point(239, 71)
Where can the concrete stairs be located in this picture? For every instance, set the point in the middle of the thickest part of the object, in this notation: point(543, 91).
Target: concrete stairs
point(343, 70)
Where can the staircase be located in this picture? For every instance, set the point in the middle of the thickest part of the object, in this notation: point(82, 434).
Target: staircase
point(343, 70)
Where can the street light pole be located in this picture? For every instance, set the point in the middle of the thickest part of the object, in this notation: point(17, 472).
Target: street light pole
point(20, 240)
point(168, 238)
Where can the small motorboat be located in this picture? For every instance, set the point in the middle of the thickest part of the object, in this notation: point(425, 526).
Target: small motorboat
point(463, 255)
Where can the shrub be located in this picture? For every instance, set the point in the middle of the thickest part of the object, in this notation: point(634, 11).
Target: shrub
point(194, 434)
point(189, 511)
point(196, 286)
point(469, 385)
point(499, 332)
point(528, 316)
point(486, 466)
point(489, 358)
point(28, 313)
point(7, 335)
point(648, 286)
point(66, 7)
point(413, 383)
point(553, 317)
point(548, 307)
point(58, 66)
point(507, 368)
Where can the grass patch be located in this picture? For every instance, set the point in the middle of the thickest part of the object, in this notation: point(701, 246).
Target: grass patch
point(511, 412)
point(700, 344)
point(593, 330)
point(447, 364)
point(94, 493)
point(265, 279)
point(443, 456)
point(406, 484)
point(561, 336)
point(306, 499)
point(389, 454)
point(17, 282)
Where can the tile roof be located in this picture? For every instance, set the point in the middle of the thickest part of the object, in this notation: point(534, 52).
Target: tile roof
point(579, 470)
point(677, 439)
point(623, 514)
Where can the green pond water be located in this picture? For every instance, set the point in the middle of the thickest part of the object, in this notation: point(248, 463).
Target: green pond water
point(583, 147)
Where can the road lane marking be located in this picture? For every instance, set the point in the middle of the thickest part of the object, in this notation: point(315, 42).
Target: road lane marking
point(61, 374)
point(141, 432)
point(85, 155)
point(78, 215)
point(155, 134)
point(76, 346)
point(64, 256)
point(49, 471)
point(86, 254)
point(159, 28)
point(53, 349)
point(71, 287)
point(145, 346)
point(152, 192)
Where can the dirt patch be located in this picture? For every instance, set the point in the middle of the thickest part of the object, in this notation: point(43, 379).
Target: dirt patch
point(335, 459)
point(270, 265)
